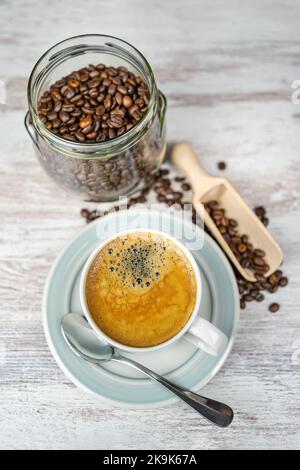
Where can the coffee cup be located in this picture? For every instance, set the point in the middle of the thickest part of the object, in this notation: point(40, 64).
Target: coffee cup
point(196, 329)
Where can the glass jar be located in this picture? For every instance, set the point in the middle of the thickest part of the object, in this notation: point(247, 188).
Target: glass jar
point(98, 171)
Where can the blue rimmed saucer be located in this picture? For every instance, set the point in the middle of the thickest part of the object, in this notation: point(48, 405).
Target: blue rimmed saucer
point(182, 361)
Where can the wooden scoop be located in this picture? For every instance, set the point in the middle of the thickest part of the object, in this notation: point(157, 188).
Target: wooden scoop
point(207, 188)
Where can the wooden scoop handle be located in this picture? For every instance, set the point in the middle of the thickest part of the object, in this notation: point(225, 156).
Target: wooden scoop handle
point(184, 157)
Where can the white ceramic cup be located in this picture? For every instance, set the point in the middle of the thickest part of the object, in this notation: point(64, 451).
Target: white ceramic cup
point(197, 330)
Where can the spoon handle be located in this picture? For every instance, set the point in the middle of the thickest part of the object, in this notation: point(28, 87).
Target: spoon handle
point(214, 411)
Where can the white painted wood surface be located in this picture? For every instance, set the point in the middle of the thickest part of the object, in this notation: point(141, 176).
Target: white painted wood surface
point(226, 68)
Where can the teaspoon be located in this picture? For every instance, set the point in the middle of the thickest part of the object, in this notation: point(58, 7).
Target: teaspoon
point(86, 344)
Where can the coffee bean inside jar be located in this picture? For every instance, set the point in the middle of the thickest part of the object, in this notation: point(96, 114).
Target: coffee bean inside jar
point(99, 130)
point(94, 104)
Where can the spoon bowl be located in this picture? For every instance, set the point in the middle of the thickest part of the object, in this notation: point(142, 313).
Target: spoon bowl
point(83, 340)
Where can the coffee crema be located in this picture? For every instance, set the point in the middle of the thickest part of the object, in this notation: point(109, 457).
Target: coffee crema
point(141, 289)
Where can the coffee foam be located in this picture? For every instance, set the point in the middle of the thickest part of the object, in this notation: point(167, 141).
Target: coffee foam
point(141, 289)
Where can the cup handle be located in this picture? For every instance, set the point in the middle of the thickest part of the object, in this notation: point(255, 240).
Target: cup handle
point(207, 337)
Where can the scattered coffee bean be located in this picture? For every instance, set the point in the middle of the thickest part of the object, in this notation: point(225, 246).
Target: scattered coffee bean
point(283, 281)
point(260, 298)
point(274, 307)
point(179, 179)
point(260, 211)
point(85, 213)
point(221, 166)
point(186, 187)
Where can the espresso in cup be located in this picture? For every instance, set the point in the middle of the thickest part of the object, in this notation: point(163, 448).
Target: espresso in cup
point(141, 289)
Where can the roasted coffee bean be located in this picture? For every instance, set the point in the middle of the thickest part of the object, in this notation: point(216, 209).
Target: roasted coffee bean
point(260, 277)
point(254, 293)
point(55, 95)
point(57, 106)
point(242, 247)
point(179, 179)
point(122, 89)
point(51, 116)
point(91, 135)
point(56, 123)
point(259, 253)
point(73, 83)
point(260, 211)
point(64, 116)
point(69, 136)
point(161, 189)
point(265, 221)
point(232, 223)
point(107, 102)
point(63, 130)
point(212, 204)
point(217, 214)
point(91, 92)
point(169, 202)
point(224, 221)
point(119, 98)
point(112, 133)
point(260, 298)
point(96, 125)
point(118, 112)
point(87, 129)
point(186, 187)
point(242, 288)
point(161, 173)
point(221, 165)
point(274, 278)
point(258, 261)
point(100, 110)
point(177, 195)
point(85, 213)
point(283, 281)
point(127, 102)
point(112, 89)
point(80, 136)
point(166, 182)
point(133, 109)
point(69, 108)
point(274, 307)
point(85, 122)
point(245, 263)
point(261, 269)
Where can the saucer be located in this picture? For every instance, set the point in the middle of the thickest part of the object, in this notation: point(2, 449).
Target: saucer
point(180, 362)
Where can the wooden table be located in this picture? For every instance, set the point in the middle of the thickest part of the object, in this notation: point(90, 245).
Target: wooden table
point(227, 68)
